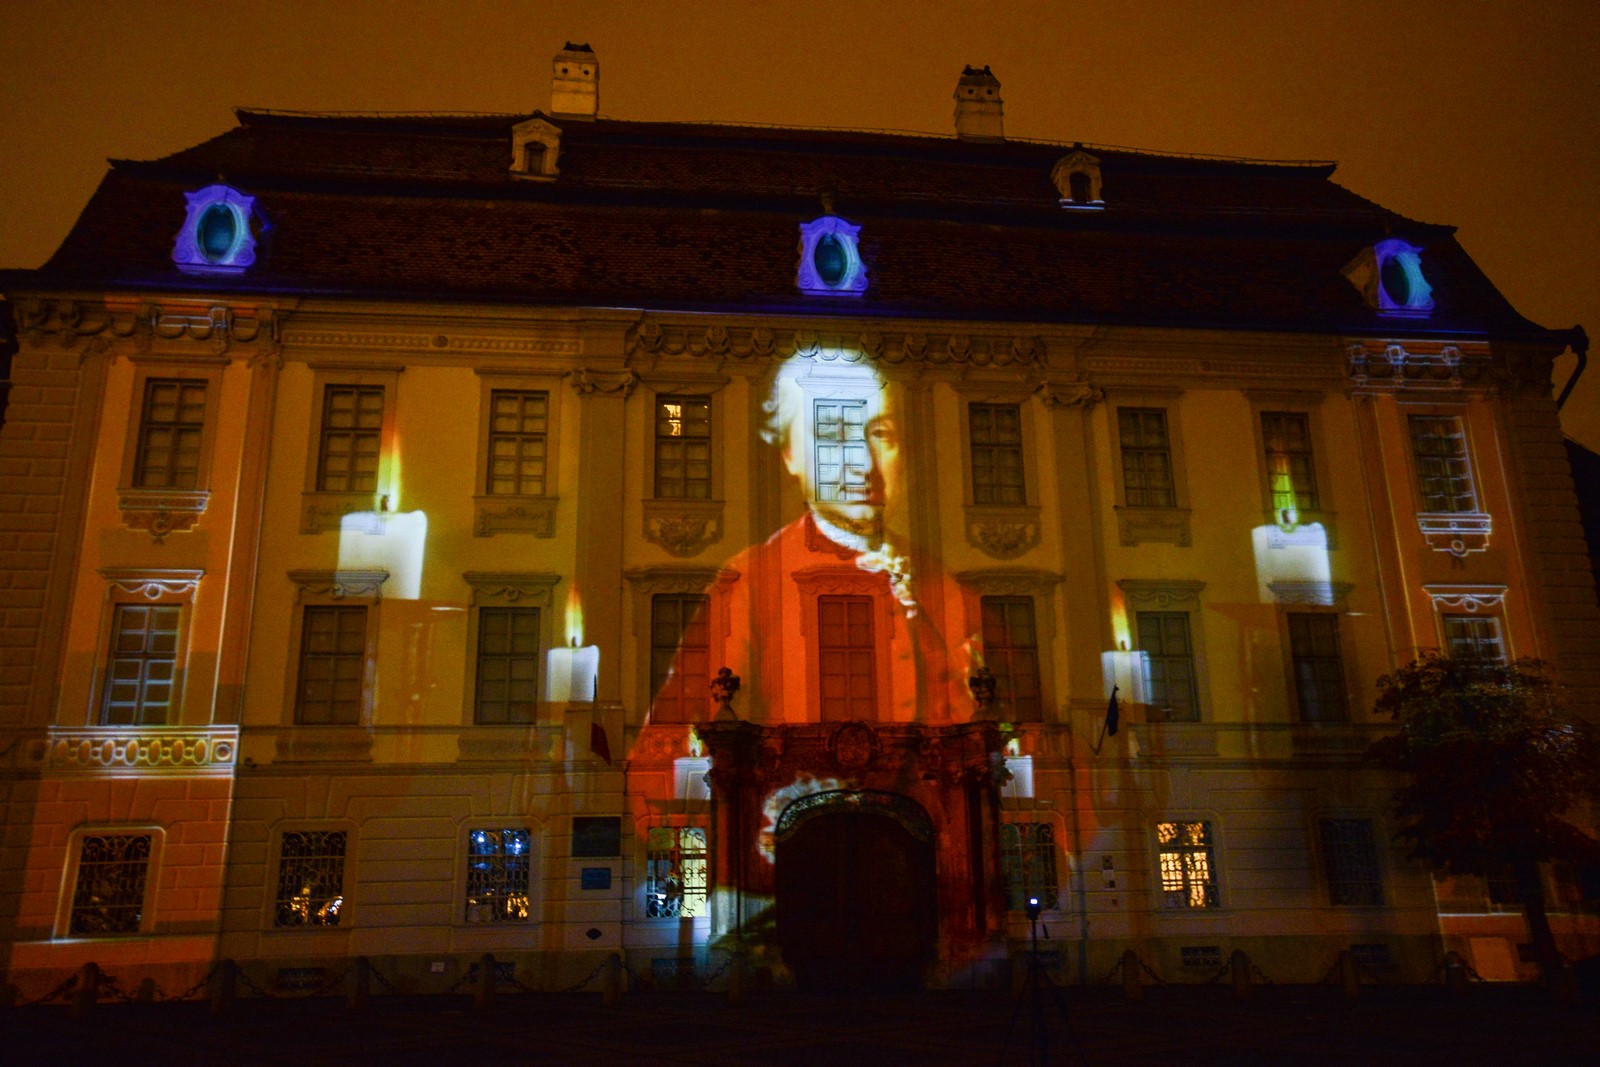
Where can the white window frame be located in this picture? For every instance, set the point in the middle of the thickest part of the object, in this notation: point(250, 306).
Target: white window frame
point(152, 877)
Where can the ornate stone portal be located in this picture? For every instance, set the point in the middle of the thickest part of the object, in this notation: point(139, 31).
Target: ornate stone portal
point(947, 772)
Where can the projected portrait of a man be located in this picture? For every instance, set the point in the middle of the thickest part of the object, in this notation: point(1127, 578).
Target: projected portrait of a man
point(839, 615)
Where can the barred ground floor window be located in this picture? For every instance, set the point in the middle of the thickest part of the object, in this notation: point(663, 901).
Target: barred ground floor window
point(108, 893)
point(1188, 864)
point(1028, 864)
point(498, 875)
point(675, 873)
point(310, 878)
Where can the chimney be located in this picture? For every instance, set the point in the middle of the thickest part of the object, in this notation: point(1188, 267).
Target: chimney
point(575, 84)
point(979, 116)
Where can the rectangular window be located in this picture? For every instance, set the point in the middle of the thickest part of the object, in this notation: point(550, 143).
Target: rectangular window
point(1350, 854)
point(1188, 865)
point(1443, 470)
point(508, 665)
point(675, 873)
point(683, 447)
point(996, 431)
point(310, 878)
point(1028, 864)
point(1164, 636)
point(143, 664)
point(845, 655)
point(1474, 639)
point(333, 653)
point(1011, 652)
point(1147, 480)
point(497, 876)
point(518, 429)
point(108, 897)
point(840, 436)
point(352, 432)
point(170, 429)
point(1290, 475)
point(680, 657)
point(1318, 668)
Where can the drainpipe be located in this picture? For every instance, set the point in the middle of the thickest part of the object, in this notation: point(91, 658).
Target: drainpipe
point(1578, 341)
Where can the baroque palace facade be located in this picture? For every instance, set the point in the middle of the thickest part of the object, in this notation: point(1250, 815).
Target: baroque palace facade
point(383, 495)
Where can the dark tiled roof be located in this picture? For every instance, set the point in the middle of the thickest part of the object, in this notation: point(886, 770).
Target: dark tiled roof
point(665, 215)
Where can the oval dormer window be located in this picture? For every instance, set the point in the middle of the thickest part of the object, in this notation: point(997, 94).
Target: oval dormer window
point(831, 260)
point(1396, 281)
point(217, 232)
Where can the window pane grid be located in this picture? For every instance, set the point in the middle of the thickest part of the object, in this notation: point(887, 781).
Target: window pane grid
point(683, 447)
point(109, 895)
point(1187, 865)
point(1351, 856)
point(680, 657)
point(352, 425)
point(1146, 458)
point(1028, 864)
point(996, 443)
point(845, 656)
point(310, 878)
point(498, 876)
point(1011, 652)
point(675, 873)
point(142, 666)
point(1292, 478)
point(333, 645)
point(518, 438)
point(1443, 470)
point(840, 439)
point(508, 665)
point(170, 426)
point(1318, 667)
point(1164, 636)
point(1474, 639)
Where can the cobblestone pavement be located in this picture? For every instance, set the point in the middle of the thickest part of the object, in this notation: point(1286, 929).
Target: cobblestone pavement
point(1188, 1026)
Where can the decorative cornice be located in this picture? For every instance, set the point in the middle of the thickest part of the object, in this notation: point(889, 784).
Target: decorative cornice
point(1002, 532)
point(1162, 592)
point(514, 514)
point(511, 587)
point(1470, 598)
point(652, 580)
point(151, 583)
point(1457, 533)
point(1324, 594)
point(1388, 366)
point(717, 341)
point(434, 342)
point(1077, 394)
point(216, 326)
point(1010, 581)
point(586, 382)
point(339, 585)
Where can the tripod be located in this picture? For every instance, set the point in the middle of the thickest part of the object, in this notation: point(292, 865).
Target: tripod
point(1032, 991)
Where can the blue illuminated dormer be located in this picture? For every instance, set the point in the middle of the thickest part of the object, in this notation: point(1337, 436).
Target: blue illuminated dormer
point(1389, 275)
point(216, 237)
point(830, 259)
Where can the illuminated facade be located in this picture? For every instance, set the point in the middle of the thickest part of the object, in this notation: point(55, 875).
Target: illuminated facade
point(379, 516)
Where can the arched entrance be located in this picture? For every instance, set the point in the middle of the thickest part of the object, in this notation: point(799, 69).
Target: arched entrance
point(855, 890)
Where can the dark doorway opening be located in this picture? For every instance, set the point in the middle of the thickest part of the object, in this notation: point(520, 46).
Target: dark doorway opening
point(855, 893)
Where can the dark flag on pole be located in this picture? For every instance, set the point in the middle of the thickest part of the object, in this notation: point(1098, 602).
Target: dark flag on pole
point(1112, 713)
point(598, 744)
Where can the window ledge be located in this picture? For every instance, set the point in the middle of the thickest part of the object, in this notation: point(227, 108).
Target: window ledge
point(1003, 531)
point(514, 514)
point(683, 527)
point(324, 744)
point(1137, 525)
point(162, 511)
point(1325, 519)
point(115, 750)
point(514, 743)
point(1175, 738)
point(321, 512)
point(1457, 532)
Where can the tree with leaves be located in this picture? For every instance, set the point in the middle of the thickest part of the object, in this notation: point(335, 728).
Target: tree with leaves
point(1495, 769)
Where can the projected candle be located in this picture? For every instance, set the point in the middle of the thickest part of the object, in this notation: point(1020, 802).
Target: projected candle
point(573, 674)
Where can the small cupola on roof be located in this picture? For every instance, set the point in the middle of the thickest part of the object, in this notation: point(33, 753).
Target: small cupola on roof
point(575, 84)
point(979, 115)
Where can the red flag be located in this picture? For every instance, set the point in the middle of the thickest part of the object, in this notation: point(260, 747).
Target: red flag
point(598, 745)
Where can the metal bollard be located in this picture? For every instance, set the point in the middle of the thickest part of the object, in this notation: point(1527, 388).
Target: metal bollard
point(484, 996)
point(145, 992)
point(611, 980)
point(360, 984)
point(223, 987)
point(1132, 985)
point(1349, 975)
point(1241, 974)
point(738, 980)
point(88, 988)
point(1455, 974)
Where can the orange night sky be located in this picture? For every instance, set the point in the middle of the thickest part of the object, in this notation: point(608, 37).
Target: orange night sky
point(1485, 115)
